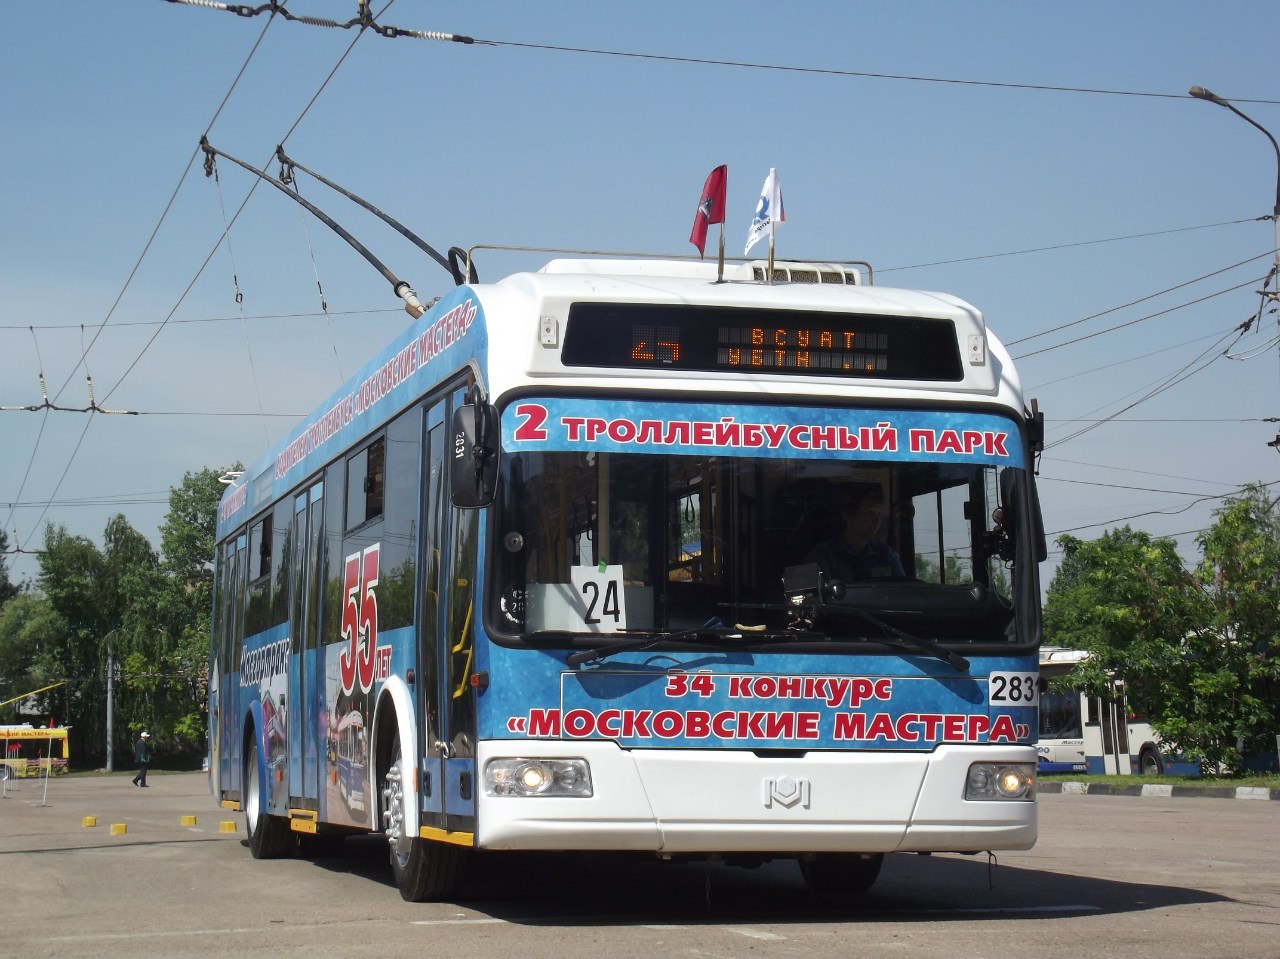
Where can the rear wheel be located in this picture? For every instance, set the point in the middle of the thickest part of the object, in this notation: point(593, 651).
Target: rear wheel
point(269, 836)
point(425, 871)
point(842, 874)
point(1150, 763)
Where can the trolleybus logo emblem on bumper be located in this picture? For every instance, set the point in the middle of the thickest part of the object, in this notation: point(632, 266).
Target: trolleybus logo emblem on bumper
point(785, 792)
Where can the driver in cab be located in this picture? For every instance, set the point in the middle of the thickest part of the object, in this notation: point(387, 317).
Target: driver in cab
point(855, 553)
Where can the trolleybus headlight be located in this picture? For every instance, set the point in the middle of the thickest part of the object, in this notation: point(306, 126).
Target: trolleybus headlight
point(1001, 781)
point(537, 777)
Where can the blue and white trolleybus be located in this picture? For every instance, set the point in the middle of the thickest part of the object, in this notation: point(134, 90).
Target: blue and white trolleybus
point(617, 556)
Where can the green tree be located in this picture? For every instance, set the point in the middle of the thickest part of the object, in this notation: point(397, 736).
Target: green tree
point(1126, 599)
point(1197, 652)
point(1240, 653)
point(167, 623)
point(8, 589)
point(91, 589)
point(150, 615)
point(30, 633)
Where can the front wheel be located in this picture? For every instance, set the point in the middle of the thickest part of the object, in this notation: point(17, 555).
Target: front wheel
point(841, 874)
point(269, 836)
point(425, 870)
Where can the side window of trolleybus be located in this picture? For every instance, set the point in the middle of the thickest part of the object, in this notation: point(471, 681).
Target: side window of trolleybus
point(366, 478)
point(670, 542)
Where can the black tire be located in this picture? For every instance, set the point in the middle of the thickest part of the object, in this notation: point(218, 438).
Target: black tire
point(1150, 762)
point(842, 874)
point(6, 771)
point(269, 836)
point(424, 870)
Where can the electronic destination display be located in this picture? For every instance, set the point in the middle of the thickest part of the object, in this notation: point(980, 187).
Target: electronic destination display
point(718, 339)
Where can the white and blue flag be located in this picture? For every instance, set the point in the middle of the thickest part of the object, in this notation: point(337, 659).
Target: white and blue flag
point(769, 211)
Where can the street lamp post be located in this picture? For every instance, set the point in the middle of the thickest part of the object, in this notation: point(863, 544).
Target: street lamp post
point(111, 675)
point(1200, 93)
point(111, 669)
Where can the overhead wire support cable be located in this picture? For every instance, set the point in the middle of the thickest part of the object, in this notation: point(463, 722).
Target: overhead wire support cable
point(1159, 512)
point(412, 305)
point(1168, 382)
point(1067, 246)
point(120, 296)
point(47, 404)
point(315, 269)
point(1143, 299)
point(1128, 323)
point(239, 297)
point(364, 19)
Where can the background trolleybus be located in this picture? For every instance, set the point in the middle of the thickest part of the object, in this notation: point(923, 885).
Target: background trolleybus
point(540, 577)
point(1097, 734)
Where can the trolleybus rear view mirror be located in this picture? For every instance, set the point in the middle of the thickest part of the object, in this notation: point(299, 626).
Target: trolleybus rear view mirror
point(1011, 490)
point(474, 476)
point(1035, 430)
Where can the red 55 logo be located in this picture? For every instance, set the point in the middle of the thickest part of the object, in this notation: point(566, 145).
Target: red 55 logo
point(360, 620)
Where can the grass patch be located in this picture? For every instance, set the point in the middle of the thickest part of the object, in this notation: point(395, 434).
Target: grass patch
point(1267, 780)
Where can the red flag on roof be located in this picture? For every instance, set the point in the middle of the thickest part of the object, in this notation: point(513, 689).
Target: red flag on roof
point(710, 207)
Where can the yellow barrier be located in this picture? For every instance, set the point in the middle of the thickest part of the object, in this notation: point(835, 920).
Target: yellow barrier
point(226, 826)
point(89, 821)
point(187, 821)
point(118, 829)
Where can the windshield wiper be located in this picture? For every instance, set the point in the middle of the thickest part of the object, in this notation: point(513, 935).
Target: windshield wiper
point(902, 639)
point(600, 653)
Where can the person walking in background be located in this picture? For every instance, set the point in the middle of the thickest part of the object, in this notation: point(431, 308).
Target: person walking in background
point(142, 753)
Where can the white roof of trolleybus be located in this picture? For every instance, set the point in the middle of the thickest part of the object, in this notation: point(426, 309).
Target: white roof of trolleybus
point(522, 353)
point(1056, 661)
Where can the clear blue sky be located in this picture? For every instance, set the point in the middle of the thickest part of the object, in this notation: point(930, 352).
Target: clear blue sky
point(940, 185)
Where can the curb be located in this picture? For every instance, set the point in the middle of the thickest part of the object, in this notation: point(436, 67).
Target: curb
point(1157, 790)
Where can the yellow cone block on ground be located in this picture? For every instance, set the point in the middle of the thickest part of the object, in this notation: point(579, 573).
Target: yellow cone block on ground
point(118, 829)
point(187, 821)
point(88, 821)
point(227, 826)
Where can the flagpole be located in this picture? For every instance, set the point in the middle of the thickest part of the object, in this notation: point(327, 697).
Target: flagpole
point(772, 221)
point(720, 267)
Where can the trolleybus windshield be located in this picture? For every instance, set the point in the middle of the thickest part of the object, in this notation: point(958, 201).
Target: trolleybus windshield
point(593, 540)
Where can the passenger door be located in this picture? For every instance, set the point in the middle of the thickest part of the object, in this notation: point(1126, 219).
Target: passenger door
point(447, 631)
point(307, 716)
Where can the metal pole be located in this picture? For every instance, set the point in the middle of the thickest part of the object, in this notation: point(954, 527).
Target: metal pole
point(48, 768)
point(111, 675)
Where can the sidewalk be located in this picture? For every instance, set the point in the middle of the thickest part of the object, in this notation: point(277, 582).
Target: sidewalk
point(1161, 790)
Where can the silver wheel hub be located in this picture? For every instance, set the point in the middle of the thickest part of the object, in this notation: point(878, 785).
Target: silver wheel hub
point(252, 800)
point(393, 808)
